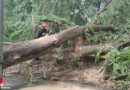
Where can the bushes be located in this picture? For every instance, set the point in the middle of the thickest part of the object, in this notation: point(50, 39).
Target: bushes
point(121, 63)
point(58, 57)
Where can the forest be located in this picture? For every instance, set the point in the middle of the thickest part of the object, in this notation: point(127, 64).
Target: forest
point(84, 31)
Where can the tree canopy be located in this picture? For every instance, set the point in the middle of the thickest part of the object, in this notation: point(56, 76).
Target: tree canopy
point(18, 15)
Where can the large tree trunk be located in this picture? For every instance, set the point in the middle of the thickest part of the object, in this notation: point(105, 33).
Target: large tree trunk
point(14, 53)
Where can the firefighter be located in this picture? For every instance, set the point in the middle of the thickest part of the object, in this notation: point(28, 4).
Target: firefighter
point(42, 32)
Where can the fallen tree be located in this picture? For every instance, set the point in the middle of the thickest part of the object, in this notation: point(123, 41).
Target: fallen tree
point(14, 53)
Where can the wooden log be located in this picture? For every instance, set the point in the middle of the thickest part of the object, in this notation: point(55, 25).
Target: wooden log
point(120, 76)
point(93, 49)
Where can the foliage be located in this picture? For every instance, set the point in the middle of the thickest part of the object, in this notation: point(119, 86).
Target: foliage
point(117, 13)
point(17, 20)
point(120, 61)
point(121, 35)
point(64, 45)
point(97, 58)
point(75, 57)
point(94, 38)
point(18, 16)
point(58, 57)
point(88, 30)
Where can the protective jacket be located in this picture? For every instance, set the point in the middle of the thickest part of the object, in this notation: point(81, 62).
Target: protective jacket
point(42, 32)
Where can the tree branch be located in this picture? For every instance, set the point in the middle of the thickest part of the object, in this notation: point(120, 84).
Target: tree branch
point(33, 28)
point(53, 12)
point(54, 7)
point(51, 21)
point(120, 76)
point(100, 11)
point(40, 5)
point(121, 45)
point(126, 30)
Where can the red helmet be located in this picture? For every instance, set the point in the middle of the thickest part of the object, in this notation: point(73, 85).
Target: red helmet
point(44, 26)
